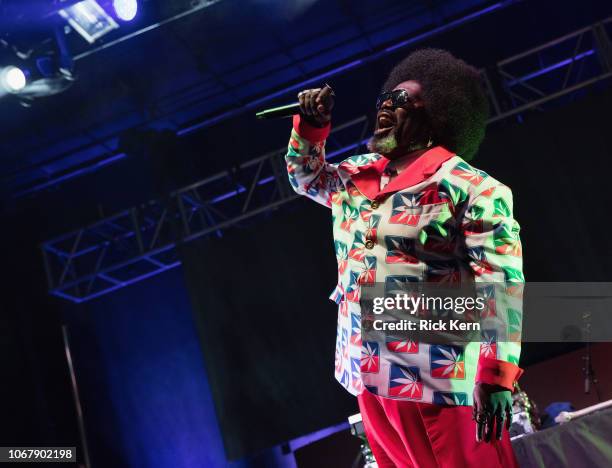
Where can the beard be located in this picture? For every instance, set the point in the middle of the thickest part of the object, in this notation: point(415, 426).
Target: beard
point(383, 145)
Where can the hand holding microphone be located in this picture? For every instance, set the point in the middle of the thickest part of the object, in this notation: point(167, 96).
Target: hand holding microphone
point(314, 105)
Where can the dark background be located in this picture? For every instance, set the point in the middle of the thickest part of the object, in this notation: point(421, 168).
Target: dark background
point(268, 328)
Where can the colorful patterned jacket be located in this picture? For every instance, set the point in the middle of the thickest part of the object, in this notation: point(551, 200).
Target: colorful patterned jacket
point(440, 220)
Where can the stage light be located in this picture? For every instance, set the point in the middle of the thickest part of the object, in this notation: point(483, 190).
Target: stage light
point(125, 9)
point(89, 19)
point(13, 79)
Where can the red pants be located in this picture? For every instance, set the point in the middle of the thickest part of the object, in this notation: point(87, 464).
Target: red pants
point(421, 435)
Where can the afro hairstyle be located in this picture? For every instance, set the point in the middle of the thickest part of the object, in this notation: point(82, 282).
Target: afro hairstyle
point(453, 95)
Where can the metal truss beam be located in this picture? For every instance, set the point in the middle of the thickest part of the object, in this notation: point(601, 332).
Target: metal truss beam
point(537, 77)
point(104, 150)
point(142, 241)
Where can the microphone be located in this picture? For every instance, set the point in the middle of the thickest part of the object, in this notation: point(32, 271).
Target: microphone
point(287, 110)
point(279, 112)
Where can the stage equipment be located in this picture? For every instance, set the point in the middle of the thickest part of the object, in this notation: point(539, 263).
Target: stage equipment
point(284, 111)
point(46, 87)
point(565, 416)
point(125, 9)
point(140, 242)
point(516, 74)
point(357, 429)
point(589, 373)
point(525, 418)
point(279, 112)
point(508, 84)
point(76, 397)
point(89, 19)
point(583, 441)
point(13, 79)
point(48, 72)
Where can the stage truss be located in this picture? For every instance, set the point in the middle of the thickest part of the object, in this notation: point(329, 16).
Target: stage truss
point(142, 241)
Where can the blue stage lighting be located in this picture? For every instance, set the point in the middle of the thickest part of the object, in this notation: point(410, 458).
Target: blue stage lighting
point(125, 9)
point(89, 19)
point(12, 79)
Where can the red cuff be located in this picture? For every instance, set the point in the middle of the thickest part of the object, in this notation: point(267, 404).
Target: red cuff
point(497, 372)
point(310, 132)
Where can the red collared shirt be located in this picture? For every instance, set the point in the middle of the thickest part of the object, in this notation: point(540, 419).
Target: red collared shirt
point(414, 171)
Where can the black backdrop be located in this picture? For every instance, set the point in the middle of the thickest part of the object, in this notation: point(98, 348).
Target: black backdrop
point(260, 293)
point(267, 328)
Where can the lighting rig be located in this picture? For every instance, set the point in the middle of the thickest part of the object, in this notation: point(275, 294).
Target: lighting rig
point(42, 64)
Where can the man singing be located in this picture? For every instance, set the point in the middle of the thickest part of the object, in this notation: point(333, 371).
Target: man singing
point(414, 210)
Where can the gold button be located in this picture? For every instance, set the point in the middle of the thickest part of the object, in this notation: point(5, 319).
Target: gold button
point(369, 244)
point(374, 204)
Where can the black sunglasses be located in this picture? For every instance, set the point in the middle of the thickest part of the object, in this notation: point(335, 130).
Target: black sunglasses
point(398, 98)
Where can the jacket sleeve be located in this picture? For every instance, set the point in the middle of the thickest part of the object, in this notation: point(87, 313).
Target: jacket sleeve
point(309, 173)
point(495, 257)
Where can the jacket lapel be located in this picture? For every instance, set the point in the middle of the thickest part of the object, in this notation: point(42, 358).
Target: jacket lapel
point(367, 179)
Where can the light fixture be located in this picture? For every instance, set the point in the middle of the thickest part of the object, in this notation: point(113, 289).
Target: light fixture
point(125, 9)
point(49, 72)
point(12, 79)
point(89, 19)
